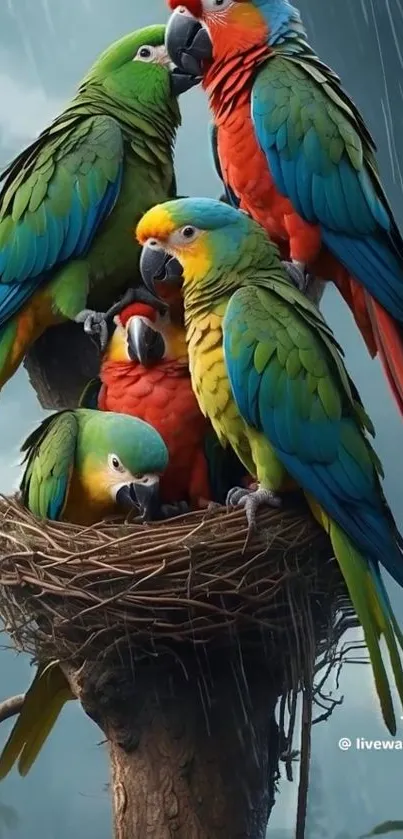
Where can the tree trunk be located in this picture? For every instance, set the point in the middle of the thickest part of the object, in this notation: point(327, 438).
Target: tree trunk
point(60, 364)
point(192, 757)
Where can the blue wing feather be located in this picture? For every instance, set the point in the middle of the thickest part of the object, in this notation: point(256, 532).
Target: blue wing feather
point(38, 242)
point(57, 501)
point(346, 202)
point(314, 448)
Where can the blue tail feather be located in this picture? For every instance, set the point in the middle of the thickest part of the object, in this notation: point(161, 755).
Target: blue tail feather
point(374, 263)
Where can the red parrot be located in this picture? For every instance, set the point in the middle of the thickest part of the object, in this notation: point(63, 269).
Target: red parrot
point(294, 152)
point(145, 373)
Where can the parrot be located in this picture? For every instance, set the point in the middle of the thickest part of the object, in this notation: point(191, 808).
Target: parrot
point(81, 465)
point(68, 201)
point(294, 151)
point(145, 373)
point(268, 373)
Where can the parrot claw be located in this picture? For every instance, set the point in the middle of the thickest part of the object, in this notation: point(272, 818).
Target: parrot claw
point(170, 511)
point(95, 325)
point(297, 273)
point(251, 500)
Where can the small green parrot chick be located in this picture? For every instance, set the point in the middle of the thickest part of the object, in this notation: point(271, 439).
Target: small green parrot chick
point(83, 465)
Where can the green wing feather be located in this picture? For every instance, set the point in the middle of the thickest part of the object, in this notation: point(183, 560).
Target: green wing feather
point(50, 460)
point(321, 157)
point(54, 198)
point(290, 383)
point(300, 108)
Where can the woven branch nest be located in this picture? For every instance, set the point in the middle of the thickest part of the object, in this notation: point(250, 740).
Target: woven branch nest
point(77, 593)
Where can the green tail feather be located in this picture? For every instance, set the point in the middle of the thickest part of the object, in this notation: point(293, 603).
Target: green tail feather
point(43, 703)
point(374, 612)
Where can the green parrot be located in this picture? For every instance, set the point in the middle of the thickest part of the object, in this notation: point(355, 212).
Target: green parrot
point(81, 465)
point(269, 375)
point(69, 201)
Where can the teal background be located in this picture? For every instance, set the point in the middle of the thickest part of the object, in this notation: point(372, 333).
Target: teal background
point(45, 47)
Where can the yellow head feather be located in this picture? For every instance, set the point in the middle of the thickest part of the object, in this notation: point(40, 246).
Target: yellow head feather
point(157, 225)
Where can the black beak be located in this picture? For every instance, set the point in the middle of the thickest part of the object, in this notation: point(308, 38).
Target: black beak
point(159, 266)
point(181, 81)
point(126, 498)
point(146, 492)
point(188, 43)
point(144, 343)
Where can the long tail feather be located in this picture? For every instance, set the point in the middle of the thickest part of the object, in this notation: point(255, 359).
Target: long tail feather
point(381, 332)
point(374, 611)
point(43, 703)
point(327, 266)
point(355, 572)
point(388, 336)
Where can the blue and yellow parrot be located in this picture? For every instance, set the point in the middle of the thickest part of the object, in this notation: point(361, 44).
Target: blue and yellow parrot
point(269, 375)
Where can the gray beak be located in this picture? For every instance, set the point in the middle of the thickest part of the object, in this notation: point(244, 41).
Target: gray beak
point(125, 497)
point(158, 266)
point(188, 43)
point(146, 492)
point(145, 344)
point(181, 81)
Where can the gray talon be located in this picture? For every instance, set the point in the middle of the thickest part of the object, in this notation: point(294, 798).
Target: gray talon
point(235, 495)
point(170, 511)
point(251, 500)
point(298, 275)
point(95, 325)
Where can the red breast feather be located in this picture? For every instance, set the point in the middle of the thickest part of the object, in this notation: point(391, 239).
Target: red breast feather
point(163, 397)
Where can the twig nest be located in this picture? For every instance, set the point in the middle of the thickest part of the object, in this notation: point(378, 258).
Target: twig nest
point(76, 593)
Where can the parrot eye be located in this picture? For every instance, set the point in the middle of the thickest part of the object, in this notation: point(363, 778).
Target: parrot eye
point(188, 233)
point(184, 236)
point(115, 463)
point(216, 5)
point(145, 53)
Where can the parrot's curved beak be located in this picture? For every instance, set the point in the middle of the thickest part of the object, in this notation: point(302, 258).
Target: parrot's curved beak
point(158, 266)
point(188, 43)
point(144, 344)
point(143, 494)
point(125, 497)
point(182, 81)
point(146, 493)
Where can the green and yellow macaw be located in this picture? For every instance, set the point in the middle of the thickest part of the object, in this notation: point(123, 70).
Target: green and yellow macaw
point(82, 465)
point(68, 202)
point(269, 374)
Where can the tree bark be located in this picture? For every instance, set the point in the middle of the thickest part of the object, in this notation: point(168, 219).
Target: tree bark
point(192, 757)
point(60, 364)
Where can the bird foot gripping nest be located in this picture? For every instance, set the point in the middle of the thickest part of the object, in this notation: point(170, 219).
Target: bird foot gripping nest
point(76, 593)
